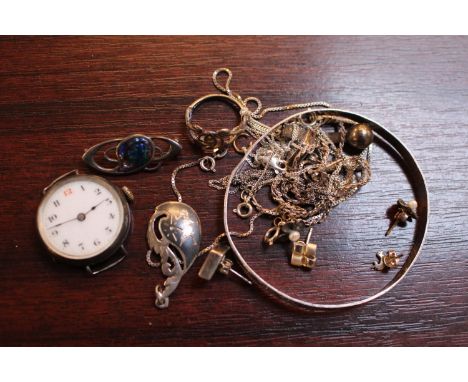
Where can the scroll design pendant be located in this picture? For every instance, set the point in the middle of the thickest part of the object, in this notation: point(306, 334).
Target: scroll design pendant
point(131, 154)
point(174, 234)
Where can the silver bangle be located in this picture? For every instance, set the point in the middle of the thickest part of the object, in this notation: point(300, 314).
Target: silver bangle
point(384, 136)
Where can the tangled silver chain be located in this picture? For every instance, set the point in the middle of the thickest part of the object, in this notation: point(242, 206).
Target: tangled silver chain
point(306, 172)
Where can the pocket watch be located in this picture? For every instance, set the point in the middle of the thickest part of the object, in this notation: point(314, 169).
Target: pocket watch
point(85, 220)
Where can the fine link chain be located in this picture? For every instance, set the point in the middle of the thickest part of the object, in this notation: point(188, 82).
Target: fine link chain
point(174, 175)
point(291, 107)
point(179, 199)
point(221, 236)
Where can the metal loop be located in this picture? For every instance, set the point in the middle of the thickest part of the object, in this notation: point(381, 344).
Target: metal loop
point(244, 210)
point(158, 154)
point(225, 89)
point(278, 222)
point(208, 164)
point(272, 235)
point(161, 301)
point(256, 101)
point(244, 196)
point(278, 165)
point(218, 153)
point(108, 157)
point(244, 149)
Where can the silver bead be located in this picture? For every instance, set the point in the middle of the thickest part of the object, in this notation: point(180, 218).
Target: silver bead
point(360, 136)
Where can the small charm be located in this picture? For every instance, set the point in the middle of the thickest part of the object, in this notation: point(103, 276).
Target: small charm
point(274, 233)
point(304, 254)
point(405, 212)
point(216, 261)
point(134, 153)
point(281, 230)
point(386, 261)
point(174, 233)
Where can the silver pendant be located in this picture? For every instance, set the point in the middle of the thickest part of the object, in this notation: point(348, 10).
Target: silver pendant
point(174, 233)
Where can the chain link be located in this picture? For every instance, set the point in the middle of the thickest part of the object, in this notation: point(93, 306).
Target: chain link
point(218, 238)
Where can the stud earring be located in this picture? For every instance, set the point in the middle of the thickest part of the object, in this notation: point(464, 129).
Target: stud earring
point(304, 254)
point(405, 212)
point(386, 261)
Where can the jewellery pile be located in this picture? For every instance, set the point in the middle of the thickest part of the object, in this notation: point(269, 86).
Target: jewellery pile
point(167, 243)
point(306, 165)
point(304, 253)
point(307, 172)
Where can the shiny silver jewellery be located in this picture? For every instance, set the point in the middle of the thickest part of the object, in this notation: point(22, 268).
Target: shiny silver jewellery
point(293, 173)
point(84, 219)
point(174, 230)
point(304, 193)
point(131, 154)
point(289, 179)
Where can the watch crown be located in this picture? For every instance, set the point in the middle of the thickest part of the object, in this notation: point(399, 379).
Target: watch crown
point(128, 194)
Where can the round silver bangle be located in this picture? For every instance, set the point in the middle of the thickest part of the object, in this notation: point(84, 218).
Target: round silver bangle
point(384, 136)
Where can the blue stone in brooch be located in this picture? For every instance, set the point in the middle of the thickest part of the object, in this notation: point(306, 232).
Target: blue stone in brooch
point(134, 152)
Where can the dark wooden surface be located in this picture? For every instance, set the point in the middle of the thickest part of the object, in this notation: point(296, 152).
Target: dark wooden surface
point(61, 95)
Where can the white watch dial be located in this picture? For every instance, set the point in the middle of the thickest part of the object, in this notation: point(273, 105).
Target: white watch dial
point(80, 218)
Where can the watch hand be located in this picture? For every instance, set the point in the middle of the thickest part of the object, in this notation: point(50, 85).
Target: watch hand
point(59, 224)
point(94, 207)
point(81, 216)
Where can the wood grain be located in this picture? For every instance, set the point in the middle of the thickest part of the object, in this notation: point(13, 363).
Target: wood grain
point(59, 95)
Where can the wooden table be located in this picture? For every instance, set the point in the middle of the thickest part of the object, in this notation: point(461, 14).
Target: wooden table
point(59, 95)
